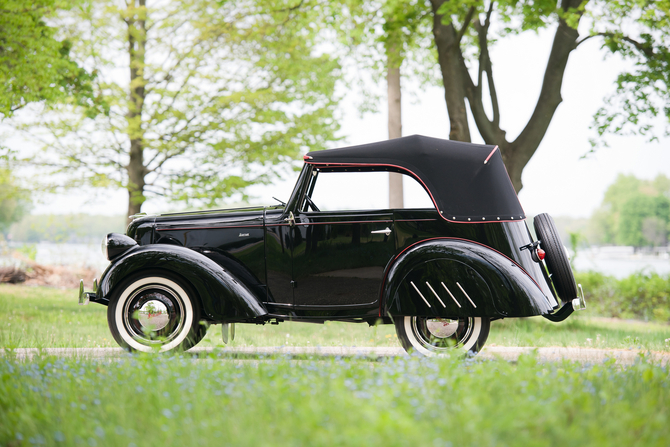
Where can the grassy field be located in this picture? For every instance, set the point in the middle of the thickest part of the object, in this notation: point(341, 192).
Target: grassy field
point(148, 400)
point(41, 317)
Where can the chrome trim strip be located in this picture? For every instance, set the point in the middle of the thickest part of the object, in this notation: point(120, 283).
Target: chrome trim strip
point(451, 295)
point(435, 293)
point(420, 294)
point(466, 295)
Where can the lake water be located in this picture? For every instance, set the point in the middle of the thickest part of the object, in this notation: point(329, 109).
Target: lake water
point(621, 261)
point(616, 261)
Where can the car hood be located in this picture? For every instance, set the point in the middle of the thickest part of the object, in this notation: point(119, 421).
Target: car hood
point(205, 219)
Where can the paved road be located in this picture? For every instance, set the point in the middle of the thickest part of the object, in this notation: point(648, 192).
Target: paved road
point(585, 355)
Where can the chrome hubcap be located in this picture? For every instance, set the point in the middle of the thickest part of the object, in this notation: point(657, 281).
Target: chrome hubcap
point(154, 314)
point(442, 334)
point(441, 327)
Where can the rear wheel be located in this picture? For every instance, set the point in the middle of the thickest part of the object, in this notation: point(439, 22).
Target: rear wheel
point(556, 258)
point(150, 312)
point(439, 336)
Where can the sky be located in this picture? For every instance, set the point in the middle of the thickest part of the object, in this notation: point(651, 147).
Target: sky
point(557, 179)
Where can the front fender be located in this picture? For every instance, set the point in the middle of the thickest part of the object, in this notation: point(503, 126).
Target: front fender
point(222, 295)
point(458, 278)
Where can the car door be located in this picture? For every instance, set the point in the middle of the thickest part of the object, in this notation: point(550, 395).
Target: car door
point(339, 256)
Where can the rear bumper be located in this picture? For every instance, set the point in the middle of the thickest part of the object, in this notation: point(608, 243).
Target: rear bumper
point(568, 308)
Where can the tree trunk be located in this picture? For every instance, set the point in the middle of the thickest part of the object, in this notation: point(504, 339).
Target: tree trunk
point(459, 85)
point(395, 131)
point(520, 151)
point(137, 37)
point(451, 63)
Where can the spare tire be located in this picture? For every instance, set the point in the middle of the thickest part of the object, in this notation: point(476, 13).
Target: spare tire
point(556, 257)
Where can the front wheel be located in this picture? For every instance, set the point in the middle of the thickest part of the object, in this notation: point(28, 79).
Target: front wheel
point(437, 336)
point(152, 312)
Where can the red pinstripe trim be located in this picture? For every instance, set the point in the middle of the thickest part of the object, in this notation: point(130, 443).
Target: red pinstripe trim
point(490, 155)
point(453, 239)
point(347, 222)
point(416, 177)
point(209, 228)
point(416, 220)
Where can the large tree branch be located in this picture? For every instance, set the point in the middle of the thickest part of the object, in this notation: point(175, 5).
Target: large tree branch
point(489, 129)
point(466, 23)
point(565, 40)
point(455, 76)
point(641, 47)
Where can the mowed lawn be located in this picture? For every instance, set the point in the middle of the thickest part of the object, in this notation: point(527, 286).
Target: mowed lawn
point(213, 400)
point(40, 317)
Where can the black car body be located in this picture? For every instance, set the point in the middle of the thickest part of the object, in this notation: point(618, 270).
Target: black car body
point(441, 274)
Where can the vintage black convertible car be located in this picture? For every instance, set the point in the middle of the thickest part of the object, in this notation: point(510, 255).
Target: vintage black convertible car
point(439, 274)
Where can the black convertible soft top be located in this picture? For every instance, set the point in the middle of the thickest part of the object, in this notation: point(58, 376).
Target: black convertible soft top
point(467, 182)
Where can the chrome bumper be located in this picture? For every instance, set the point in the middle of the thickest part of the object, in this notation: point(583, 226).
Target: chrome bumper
point(579, 303)
point(568, 308)
point(85, 297)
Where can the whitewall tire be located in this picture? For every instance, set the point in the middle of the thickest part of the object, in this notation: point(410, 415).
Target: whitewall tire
point(153, 312)
point(441, 336)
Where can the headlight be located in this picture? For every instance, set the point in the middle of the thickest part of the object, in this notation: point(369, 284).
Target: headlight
point(103, 246)
point(116, 244)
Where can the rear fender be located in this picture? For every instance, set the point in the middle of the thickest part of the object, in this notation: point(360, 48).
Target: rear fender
point(459, 278)
point(222, 295)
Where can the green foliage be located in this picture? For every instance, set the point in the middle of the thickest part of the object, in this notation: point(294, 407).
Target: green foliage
point(639, 31)
point(635, 212)
point(34, 64)
point(642, 295)
point(217, 96)
point(28, 250)
point(175, 401)
point(80, 228)
point(14, 200)
point(383, 34)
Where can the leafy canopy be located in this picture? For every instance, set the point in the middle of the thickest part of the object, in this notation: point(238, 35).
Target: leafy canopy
point(34, 64)
point(639, 31)
point(212, 96)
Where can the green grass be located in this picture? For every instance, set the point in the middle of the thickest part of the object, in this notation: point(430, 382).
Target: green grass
point(40, 317)
point(163, 400)
point(580, 330)
point(157, 400)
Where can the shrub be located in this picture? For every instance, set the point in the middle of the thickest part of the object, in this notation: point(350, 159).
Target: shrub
point(642, 295)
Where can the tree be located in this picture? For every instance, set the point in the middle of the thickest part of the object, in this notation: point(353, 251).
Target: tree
point(644, 221)
point(194, 100)
point(642, 96)
point(635, 212)
point(14, 200)
point(34, 65)
point(382, 36)
point(465, 30)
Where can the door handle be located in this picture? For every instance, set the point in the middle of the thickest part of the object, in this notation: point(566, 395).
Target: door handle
point(385, 231)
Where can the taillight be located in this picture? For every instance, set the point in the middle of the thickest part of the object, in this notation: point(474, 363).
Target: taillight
point(540, 253)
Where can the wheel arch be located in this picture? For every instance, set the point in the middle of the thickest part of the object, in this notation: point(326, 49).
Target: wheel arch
point(221, 295)
point(449, 277)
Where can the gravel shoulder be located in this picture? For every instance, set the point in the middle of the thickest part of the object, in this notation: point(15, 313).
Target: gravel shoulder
point(583, 355)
